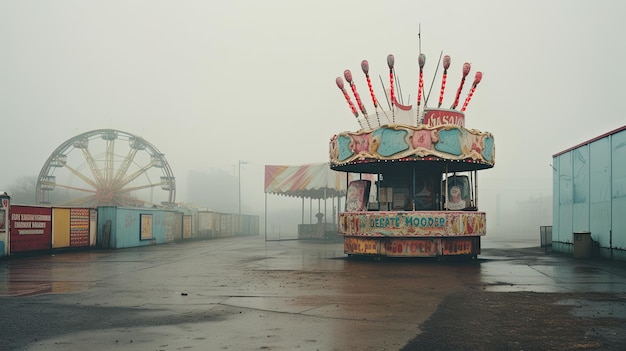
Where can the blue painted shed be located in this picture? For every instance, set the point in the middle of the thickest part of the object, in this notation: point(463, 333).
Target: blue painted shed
point(589, 195)
point(120, 227)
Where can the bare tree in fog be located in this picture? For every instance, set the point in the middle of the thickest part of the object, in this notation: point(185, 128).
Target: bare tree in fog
point(22, 191)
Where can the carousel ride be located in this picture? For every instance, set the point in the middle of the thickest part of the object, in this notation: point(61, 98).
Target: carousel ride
point(418, 192)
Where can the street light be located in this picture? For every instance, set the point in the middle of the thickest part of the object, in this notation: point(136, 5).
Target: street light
point(239, 188)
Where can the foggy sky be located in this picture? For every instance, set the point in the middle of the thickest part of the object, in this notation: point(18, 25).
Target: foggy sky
point(211, 83)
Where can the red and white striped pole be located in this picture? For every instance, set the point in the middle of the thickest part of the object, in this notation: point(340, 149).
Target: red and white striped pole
point(341, 87)
point(390, 62)
point(446, 65)
point(420, 89)
point(477, 79)
point(348, 76)
point(366, 69)
point(466, 70)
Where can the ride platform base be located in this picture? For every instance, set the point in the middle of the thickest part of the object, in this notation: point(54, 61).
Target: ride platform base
point(467, 246)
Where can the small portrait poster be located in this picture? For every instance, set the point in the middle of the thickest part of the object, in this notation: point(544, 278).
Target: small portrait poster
point(457, 193)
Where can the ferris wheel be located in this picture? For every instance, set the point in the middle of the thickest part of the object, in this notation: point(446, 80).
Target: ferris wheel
point(106, 167)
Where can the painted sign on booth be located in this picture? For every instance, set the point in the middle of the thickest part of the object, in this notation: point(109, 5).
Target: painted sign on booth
point(31, 228)
point(413, 223)
point(438, 117)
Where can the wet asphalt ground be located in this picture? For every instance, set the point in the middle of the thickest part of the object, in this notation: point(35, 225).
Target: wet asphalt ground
point(245, 293)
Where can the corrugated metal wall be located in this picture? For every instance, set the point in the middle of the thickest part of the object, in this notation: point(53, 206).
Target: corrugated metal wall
point(210, 224)
point(589, 195)
point(173, 226)
point(618, 193)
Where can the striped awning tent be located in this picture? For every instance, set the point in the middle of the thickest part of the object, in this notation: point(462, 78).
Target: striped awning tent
point(314, 181)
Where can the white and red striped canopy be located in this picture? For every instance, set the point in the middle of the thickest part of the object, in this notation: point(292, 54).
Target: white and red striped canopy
point(315, 181)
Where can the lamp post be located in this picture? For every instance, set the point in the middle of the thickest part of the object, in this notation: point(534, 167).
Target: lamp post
point(239, 186)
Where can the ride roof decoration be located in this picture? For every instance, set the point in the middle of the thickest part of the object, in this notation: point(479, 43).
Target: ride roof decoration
point(366, 122)
point(403, 133)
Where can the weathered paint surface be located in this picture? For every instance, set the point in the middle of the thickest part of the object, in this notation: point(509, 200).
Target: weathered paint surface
point(126, 226)
point(61, 227)
point(451, 142)
point(206, 224)
point(187, 227)
point(439, 117)
point(173, 226)
point(31, 228)
point(364, 246)
point(412, 247)
point(461, 246)
point(412, 223)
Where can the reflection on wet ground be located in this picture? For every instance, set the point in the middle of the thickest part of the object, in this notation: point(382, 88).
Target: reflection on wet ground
point(508, 269)
point(278, 295)
point(552, 272)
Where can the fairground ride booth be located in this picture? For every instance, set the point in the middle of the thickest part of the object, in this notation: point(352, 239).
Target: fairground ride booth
point(314, 181)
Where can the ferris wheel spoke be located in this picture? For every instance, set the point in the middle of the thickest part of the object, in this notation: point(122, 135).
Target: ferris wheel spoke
point(130, 178)
point(135, 188)
point(125, 165)
point(83, 177)
point(108, 161)
point(76, 188)
point(93, 166)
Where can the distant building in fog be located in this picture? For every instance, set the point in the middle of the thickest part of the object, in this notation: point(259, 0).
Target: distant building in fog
point(534, 213)
point(216, 190)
